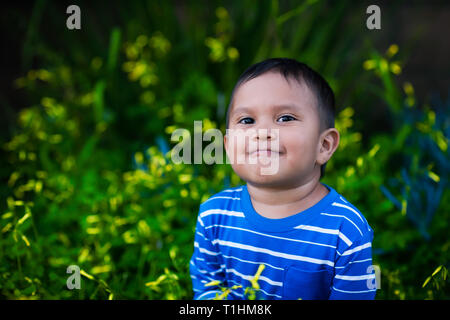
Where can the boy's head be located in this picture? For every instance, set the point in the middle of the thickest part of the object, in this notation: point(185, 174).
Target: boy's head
point(288, 96)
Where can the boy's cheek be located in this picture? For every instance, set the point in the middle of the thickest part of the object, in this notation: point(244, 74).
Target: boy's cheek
point(236, 153)
point(234, 143)
point(230, 148)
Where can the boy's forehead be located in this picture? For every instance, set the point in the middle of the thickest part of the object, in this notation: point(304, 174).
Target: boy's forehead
point(303, 102)
point(272, 92)
point(271, 108)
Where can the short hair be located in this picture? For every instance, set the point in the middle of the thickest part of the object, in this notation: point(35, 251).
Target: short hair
point(302, 73)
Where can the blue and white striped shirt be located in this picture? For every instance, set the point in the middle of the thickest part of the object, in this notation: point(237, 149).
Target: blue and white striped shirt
point(323, 252)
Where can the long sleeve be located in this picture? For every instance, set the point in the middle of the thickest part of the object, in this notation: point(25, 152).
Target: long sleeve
point(205, 265)
point(354, 277)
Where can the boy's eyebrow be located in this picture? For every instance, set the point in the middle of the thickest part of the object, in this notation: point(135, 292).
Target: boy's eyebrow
point(279, 107)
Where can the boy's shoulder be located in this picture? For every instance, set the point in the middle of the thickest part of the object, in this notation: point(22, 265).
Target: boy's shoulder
point(342, 212)
point(222, 199)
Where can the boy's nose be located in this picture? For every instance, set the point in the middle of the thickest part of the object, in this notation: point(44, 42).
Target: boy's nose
point(266, 134)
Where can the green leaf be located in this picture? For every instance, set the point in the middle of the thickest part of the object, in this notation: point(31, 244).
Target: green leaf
point(436, 271)
point(426, 282)
point(114, 45)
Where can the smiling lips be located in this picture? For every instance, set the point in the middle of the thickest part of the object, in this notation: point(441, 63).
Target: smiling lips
point(264, 152)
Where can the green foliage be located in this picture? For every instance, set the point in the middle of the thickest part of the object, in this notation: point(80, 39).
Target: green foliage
point(250, 292)
point(438, 279)
point(401, 185)
point(88, 175)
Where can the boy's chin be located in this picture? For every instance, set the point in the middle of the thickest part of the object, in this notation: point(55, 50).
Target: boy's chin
point(268, 178)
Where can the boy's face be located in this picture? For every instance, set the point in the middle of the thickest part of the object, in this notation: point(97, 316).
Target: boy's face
point(281, 121)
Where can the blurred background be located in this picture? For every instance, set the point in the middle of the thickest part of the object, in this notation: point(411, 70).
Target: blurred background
point(86, 118)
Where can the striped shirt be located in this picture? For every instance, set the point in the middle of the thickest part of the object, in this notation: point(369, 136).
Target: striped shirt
point(323, 252)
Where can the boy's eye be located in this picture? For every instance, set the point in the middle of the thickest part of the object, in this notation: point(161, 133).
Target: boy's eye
point(286, 118)
point(246, 120)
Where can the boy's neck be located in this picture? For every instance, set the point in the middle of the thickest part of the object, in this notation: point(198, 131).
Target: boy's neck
point(281, 203)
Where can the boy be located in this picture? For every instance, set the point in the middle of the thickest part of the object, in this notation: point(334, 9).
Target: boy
point(312, 242)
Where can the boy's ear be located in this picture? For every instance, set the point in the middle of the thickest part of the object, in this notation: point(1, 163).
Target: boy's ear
point(328, 143)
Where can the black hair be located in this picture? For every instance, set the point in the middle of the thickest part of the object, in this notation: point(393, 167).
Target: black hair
point(291, 68)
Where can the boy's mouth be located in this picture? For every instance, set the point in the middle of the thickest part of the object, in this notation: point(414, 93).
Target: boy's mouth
point(264, 152)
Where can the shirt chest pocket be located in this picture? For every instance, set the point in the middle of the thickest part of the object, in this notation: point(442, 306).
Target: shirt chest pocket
point(306, 285)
